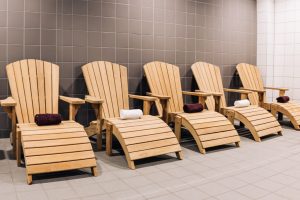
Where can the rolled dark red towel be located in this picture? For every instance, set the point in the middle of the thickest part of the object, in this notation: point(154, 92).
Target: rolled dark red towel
point(193, 107)
point(47, 119)
point(283, 99)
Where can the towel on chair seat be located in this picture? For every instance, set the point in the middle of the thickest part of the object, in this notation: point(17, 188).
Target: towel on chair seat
point(242, 103)
point(283, 99)
point(131, 114)
point(47, 119)
point(193, 107)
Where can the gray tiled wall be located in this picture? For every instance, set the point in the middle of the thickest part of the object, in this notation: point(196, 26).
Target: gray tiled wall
point(130, 32)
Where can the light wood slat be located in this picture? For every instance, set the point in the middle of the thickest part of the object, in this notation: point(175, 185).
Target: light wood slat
point(198, 121)
point(144, 127)
point(200, 115)
point(41, 85)
point(14, 91)
point(54, 158)
point(53, 136)
point(178, 89)
point(58, 149)
point(145, 132)
point(264, 121)
point(269, 131)
point(215, 129)
point(50, 131)
point(48, 86)
point(220, 86)
point(119, 121)
point(218, 135)
point(156, 78)
point(266, 126)
point(170, 70)
point(168, 83)
point(105, 85)
point(119, 89)
point(148, 138)
point(154, 152)
point(20, 91)
point(211, 124)
point(254, 118)
point(248, 109)
point(68, 125)
point(112, 88)
point(59, 142)
point(152, 145)
point(55, 88)
point(150, 122)
point(34, 86)
point(124, 80)
point(212, 143)
point(261, 112)
point(54, 167)
point(28, 95)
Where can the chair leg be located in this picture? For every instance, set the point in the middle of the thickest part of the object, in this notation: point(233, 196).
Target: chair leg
point(99, 141)
point(131, 164)
point(109, 139)
point(178, 127)
point(237, 144)
point(29, 179)
point(179, 155)
point(94, 171)
point(18, 149)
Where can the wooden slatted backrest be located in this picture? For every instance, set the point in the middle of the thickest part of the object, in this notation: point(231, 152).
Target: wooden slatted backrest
point(108, 81)
point(164, 79)
point(34, 85)
point(251, 79)
point(208, 78)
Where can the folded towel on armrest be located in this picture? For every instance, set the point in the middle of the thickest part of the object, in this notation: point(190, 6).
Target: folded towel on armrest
point(193, 107)
point(283, 99)
point(47, 119)
point(131, 114)
point(242, 103)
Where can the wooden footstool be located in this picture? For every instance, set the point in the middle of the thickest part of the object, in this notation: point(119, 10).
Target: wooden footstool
point(54, 148)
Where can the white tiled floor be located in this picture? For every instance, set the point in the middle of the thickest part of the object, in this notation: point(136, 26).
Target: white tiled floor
point(269, 170)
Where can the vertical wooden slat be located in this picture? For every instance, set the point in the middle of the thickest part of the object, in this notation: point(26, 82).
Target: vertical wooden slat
point(220, 85)
point(21, 91)
point(27, 89)
point(119, 91)
point(88, 81)
point(14, 91)
point(164, 71)
point(41, 85)
point(34, 86)
point(124, 81)
point(55, 87)
point(48, 86)
point(112, 88)
point(178, 88)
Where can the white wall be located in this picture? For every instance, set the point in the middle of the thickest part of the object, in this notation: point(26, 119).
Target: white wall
point(278, 44)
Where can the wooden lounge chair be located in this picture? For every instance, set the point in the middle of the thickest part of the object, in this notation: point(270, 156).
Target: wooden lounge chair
point(259, 121)
point(108, 93)
point(34, 86)
point(252, 80)
point(208, 128)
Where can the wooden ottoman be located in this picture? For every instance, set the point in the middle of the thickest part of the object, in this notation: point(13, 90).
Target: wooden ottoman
point(54, 148)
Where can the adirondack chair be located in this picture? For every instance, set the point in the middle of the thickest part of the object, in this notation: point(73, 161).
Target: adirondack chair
point(208, 128)
point(252, 80)
point(108, 93)
point(259, 121)
point(34, 86)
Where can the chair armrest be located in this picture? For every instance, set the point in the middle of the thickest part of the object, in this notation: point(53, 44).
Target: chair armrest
point(275, 88)
point(93, 100)
point(143, 98)
point(8, 102)
point(72, 100)
point(237, 91)
point(161, 97)
point(197, 93)
point(254, 90)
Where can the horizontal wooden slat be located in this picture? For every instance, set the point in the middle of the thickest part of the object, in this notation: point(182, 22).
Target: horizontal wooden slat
point(117, 121)
point(55, 167)
point(152, 144)
point(60, 142)
point(41, 132)
point(26, 138)
point(145, 132)
point(266, 126)
point(200, 115)
point(57, 149)
point(209, 130)
point(219, 135)
point(149, 138)
point(145, 127)
point(211, 124)
point(264, 121)
point(269, 131)
point(30, 127)
point(154, 152)
point(215, 119)
point(54, 158)
point(250, 114)
point(257, 117)
point(222, 141)
point(139, 123)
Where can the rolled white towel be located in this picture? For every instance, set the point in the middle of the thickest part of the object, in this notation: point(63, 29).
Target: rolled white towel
point(242, 103)
point(131, 114)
